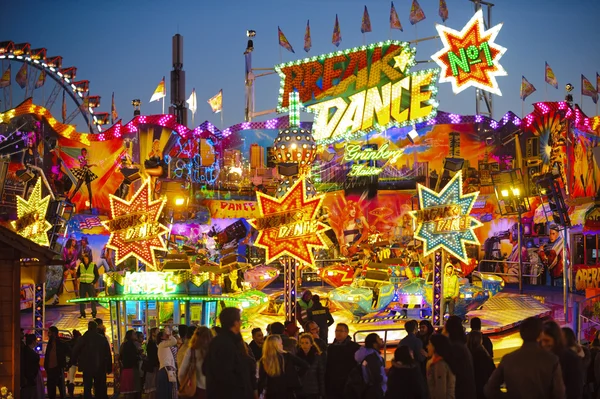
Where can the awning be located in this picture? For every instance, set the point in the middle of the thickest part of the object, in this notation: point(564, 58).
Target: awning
point(577, 213)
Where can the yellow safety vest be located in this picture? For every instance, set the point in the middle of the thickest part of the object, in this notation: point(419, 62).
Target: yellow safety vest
point(86, 274)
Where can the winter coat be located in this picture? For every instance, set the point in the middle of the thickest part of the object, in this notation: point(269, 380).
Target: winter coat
point(405, 382)
point(441, 381)
point(92, 353)
point(483, 366)
point(340, 360)
point(313, 381)
point(415, 344)
point(573, 373)
point(285, 385)
point(373, 369)
point(320, 314)
point(226, 369)
point(129, 355)
point(465, 375)
point(62, 351)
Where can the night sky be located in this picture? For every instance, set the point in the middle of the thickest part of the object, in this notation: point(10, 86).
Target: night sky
point(125, 46)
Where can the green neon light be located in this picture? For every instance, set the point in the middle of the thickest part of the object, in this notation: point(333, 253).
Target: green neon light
point(294, 109)
point(168, 297)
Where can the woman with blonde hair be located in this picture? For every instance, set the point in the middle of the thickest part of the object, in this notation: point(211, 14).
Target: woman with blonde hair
point(313, 381)
point(279, 371)
point(194, 358)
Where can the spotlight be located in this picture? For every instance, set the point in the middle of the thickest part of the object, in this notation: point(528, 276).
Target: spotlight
point(250, 33)
point(413, 135)
point(179, 201)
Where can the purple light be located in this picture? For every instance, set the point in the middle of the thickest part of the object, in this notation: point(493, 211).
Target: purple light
point(454, 118)
point(478, 118)
point(494, 124)
point(431, 122)
point(517, 121)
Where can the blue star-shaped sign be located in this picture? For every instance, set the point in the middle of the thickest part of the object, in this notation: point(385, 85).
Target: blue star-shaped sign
point(452, 241)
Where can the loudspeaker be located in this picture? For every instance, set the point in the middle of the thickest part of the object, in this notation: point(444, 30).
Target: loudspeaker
point(25, 175)
point(288, 169)
point(453, 164)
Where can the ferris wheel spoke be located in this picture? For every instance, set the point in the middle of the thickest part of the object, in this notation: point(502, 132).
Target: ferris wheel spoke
point(53, 95)
point(72, 115)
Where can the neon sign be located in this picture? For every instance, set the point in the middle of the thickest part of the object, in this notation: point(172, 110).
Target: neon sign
point(355, 152)
point(360, 90)
point(31, 213)
point(470, 58)
point(149, 283)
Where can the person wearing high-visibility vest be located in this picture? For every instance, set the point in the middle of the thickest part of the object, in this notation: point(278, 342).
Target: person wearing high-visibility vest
point(87, 273)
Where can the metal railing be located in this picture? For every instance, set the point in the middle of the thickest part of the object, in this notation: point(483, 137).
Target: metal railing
point(587, 318)
point(526, 266)
point(385, 332)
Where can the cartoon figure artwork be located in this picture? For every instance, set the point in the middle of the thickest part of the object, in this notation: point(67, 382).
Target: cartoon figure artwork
point(154, 164)
point(511, 266)
point(551, 254)
point(84, 175)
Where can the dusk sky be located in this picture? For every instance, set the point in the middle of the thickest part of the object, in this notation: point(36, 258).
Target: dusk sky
point(125, 46)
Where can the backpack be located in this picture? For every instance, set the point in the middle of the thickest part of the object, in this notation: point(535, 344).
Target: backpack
point(356, 386)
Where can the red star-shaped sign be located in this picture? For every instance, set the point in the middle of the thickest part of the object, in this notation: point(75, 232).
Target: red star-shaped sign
point(470, 58)
point(134, 227)
point(288, 226)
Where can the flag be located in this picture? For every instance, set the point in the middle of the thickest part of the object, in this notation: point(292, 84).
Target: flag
point(192, 105)
point(366, 22)
point(40, 80)
point(89, 223)
point(443, 10)
point(307, 40)
point(21, 77)
point(336, 39)
point(113, 110)
point(160, 91)
point(588, 89)
point(64, 108)
point(5, 79)
point(216, 103)
point(550, 77)
point(416, 13)
point(526, 88)
point(394, 21)
point(283, 41)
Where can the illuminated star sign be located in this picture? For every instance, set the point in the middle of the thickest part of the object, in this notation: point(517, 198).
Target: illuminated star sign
point(134, 227)
point(470, 58)
point(31, 222)
point(299, 233)
point(452, 240)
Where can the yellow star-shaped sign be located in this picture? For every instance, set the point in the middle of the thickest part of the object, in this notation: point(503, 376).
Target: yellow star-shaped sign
point(405, 59)
point(31, 222)
point(470, 58)
point(289, 225)
point(134, 227)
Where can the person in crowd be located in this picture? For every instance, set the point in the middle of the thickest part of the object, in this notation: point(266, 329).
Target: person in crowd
point(551, 254)
point(339, 362)
point(313, 381)
point(185, 346)
point(373, 366)
point(405, 379)
point(128, 359)
point(258, 339)
point(55, 361)
point(291, 329)
point(593, 370)
point(101, 327)
point(304, 304)
point(571, 365)
point(93, 356)
point(320, 314)
point(87, 273)
point(530, 371)
point(483, 364)
point(486, 341)
point(166, 377)
point(279, 371)
point(571, 343)
point(313, 329)
point(72, 366)
point(463, 361)
point(194, 357)
point(226, 370)
point(289, 343)
point(30, 370)
point(414, 343)
point(425, 331)
point(251, 365)
point(150, 365)
point(451, 289)
point(441, 375)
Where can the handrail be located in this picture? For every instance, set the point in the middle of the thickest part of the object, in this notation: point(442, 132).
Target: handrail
point(579, 309)
point(379, 330)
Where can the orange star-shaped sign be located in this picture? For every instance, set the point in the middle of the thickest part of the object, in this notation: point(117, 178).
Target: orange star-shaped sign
point(134, 227)
point(470, 58)
point(289, 225)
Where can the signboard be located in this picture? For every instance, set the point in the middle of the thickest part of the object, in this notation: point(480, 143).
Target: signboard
point(470, 58)
point(360, 90)
point(148, 283)
point(232, 209)
point(592, 220)
point(444, 220)
point(357, 152)
point(31, 213)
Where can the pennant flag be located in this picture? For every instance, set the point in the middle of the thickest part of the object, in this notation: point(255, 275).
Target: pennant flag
point(551, 77)
point(192, 105)
point(394, 21)
point(526, 88)
point(5, 79)
point(160, 91)
point(336, 39)
point(416, 13)
point(366, 22)
point(307, 39)
point(40, 80)
point(113, 110)
point(216, 103)
point(21, 77)
point(588, 89)
point(443, 10)
point(64, 108)
point(283, 41)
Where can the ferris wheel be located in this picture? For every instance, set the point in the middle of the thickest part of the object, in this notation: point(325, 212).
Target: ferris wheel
point(29, 73)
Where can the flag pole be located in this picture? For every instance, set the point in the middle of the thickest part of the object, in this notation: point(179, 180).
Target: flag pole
point(280, 55)
point(546, 92)
point(221, 117)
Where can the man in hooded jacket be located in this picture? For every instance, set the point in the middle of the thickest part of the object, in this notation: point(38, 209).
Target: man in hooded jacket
point(92, 355)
